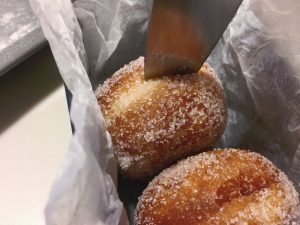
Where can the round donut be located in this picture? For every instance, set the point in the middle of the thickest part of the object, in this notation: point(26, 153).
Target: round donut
point(155, 123)
point(219, 187)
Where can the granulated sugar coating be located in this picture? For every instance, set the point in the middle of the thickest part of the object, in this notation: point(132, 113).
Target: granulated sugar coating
point(156, 122)
point(219, 187)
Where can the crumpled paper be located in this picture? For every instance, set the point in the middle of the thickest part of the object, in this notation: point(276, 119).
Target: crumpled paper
point(257, 60)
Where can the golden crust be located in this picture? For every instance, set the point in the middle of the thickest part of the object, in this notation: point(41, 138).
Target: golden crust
point(157, 122)
point(219, 187)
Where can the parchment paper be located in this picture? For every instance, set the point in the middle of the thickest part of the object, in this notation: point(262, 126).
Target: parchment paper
point(258, 61)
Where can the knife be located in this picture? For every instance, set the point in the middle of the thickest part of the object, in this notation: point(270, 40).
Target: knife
point(182, 34)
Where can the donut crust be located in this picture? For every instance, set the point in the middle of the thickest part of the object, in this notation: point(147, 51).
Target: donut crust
point(155, 123)
point(219, 187)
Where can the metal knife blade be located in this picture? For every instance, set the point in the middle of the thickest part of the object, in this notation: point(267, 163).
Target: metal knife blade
point(182, 33)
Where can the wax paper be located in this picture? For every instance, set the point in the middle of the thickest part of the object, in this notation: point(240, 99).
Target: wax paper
point(257, 60)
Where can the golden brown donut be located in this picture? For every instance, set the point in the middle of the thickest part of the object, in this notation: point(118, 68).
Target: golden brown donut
point(219, 187)
point(156, 122)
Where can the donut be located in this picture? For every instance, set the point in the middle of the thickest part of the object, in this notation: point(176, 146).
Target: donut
point(227, 186)
point(154, 123)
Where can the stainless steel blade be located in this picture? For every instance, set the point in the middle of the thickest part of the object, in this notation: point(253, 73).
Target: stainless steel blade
point(182, 33)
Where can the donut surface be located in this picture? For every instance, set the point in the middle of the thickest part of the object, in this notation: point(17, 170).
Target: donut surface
point(156, 122)
point(219, 187)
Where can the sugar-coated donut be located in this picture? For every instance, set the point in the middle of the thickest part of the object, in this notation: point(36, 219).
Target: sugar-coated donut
point(219, 187)
point(156, 122)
